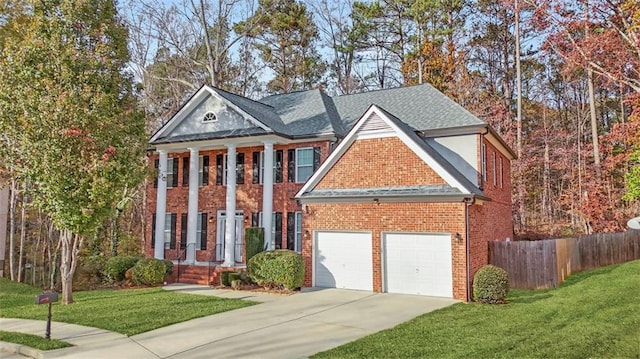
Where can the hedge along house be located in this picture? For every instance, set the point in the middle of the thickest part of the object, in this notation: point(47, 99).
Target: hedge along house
point(405, 201)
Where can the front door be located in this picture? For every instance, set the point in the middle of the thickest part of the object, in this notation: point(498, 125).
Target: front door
point(220, 236)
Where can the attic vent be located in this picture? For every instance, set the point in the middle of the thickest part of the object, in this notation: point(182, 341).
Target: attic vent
point(210, 117)
point(375, 123)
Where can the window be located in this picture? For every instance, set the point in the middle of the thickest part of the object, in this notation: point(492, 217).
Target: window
point(221, 169)
point(483, 158)
point(203, 171)
point(169, 232)
point(302, 162)
point(294, 231)
point(258, 166)
point(495, 175)
point(209, 117)
point(172, 172)
point(201, 231)
point(501, 174)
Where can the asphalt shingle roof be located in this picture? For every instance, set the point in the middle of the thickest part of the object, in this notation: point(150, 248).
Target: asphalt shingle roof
point(421, 107)
point(306, 113)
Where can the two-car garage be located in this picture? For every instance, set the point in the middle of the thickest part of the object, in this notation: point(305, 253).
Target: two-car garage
point(411, 263)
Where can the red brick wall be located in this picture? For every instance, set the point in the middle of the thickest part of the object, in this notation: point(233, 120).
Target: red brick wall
point(212, 197)
point(391, 217)
point(491, 220)
point(379, 162)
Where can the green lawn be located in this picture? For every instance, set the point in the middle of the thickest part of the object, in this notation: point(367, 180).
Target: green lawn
point(127, 311)
point(33, 341)
point(594, 314)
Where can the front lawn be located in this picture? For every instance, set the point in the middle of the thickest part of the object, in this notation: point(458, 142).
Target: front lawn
point(594, 314)
point(126, 311)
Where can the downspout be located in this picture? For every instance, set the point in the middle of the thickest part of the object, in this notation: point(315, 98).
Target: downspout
point(468, 202)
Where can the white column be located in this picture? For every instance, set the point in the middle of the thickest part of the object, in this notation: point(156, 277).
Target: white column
point(192, 212)
point(230, 228)
point(267, 195)
point(161, 204)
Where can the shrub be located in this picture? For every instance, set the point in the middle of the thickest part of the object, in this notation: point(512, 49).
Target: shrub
point(254, 239)
point(169, 264)
point(117, 266)
point(90, 273)
point(281, 268)
point(149, 271)
point(224, 278)
point(490, 285)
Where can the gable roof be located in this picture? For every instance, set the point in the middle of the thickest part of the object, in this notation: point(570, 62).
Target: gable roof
point(458, 186)
point(421, 107)
point(243, 105)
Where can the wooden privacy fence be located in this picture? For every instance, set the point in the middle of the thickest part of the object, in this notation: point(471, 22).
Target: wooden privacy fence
point(546, 263)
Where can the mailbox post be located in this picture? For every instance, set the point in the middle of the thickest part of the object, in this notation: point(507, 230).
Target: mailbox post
point(47, 298)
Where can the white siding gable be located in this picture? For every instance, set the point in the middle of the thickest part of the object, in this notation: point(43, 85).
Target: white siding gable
point(461, 152)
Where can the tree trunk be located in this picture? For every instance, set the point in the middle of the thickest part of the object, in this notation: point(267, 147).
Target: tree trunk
point(520, 185)
point(4, 214)
point(594, 125)
point(71, 244)
point(23, 234)
point(12, 229)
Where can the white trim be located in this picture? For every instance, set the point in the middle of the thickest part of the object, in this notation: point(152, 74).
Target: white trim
point(352, 136)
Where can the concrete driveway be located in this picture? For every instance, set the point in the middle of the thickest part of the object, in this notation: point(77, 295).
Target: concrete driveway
point(293, 326)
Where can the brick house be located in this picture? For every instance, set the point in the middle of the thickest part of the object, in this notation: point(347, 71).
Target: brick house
point(395, 190)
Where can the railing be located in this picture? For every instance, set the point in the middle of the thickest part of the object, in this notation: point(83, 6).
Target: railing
point(181, 257)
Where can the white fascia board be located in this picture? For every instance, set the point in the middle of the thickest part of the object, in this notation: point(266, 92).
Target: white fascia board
point(336, 154)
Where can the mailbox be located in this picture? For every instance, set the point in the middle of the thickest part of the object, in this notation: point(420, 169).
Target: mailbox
point(46, 298)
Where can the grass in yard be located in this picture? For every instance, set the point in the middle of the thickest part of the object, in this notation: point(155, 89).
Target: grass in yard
point(33, 341)
point(594, 314)
point(126, 311)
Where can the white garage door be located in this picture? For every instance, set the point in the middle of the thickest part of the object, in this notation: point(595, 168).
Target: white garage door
point(418, 263)
point(343, 260)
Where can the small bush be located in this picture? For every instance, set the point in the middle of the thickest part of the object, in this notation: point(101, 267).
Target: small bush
point(224, 278)
point(90, 273)
point(117, 266)
point(149, 271)
point(281, 268)
point(169, 264)
point(490, 285)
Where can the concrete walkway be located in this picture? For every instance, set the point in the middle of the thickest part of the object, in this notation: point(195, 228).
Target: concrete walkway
point(293, 326)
